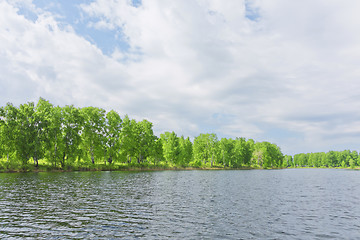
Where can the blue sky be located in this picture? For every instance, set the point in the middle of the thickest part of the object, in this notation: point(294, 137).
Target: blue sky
point(68, 13)
point(278, 71)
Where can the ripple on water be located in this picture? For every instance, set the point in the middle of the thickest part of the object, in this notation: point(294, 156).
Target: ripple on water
point(181, 204)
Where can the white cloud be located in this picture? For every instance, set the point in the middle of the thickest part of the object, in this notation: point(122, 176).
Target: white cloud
point(196, 66)
point(40, 59)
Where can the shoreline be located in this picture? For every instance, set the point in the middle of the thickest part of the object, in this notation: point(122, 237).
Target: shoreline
point(124, 169)
point(147, 169)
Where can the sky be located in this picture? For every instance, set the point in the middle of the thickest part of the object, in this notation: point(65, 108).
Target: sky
point(287, 72)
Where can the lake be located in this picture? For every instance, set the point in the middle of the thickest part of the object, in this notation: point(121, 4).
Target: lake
point(216, 204)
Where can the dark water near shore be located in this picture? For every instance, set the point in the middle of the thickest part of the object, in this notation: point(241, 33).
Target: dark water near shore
point(255, 204)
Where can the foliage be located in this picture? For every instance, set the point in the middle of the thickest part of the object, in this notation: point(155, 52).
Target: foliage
point(171, 148)
point(342, 159)
point(68, 137)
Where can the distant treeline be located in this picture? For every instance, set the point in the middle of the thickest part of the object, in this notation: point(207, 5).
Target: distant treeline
point(342, 159)
point(46, 136)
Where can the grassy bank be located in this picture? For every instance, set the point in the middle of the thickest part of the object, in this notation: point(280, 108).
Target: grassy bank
point(45, 166)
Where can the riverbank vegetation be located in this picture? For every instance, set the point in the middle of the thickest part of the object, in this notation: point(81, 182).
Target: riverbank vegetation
point(44, 137)
point(333, 159)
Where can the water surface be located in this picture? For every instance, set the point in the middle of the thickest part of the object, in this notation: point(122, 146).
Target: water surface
point(256, 204)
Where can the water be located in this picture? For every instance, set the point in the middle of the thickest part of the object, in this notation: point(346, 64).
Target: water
point(256, 204)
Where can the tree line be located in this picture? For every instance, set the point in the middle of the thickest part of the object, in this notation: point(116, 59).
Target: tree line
point(33, 135)
point(342, 159)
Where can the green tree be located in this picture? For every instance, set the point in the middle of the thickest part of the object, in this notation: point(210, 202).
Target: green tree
point(72, 122)
point(331, 159)
point(268, 155)
point(25, 142)
point(352, 163)
point(242, 152)
point(323, 160)
point(288, 161)
point(301, 160)
point(206, 148)
point(171, 148)
point(92, 134)
point(226, 148)
point(186, 151)
point(55, 144)
point(43, 115)
point(2, 126)
point(157, 153)
point(128, 138)
point(145, 140)
point(9, 130)
point(343, 164)
point(113, 125)
point(354, 156)
point(343, 157)
point(258, 157)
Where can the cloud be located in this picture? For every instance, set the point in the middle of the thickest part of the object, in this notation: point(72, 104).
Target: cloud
point(39, 58)
point(281, 71)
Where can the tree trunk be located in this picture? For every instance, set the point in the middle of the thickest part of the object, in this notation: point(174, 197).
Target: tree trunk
point(63, 161)
point(55, 151)
point(92, 155)
point(36, 162)
point(139, 158)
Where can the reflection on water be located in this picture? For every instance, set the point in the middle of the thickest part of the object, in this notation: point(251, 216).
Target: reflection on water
point(256, 204)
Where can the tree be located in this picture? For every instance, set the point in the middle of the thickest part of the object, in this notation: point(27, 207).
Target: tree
point(9, 129)
point(113, 125)
point(200, 149)
point(301, 160)
point(288, 161)
point(268, 155)
point(226, 148)
point(343, 164)
point(331, 159)
point(212, 146)
point(206, 148)
point(186, 151)
point(42, 123)
point(242, 152)
point(157, 151)
point(171, 147)
point(312, 160)
point(2, 126)
point(259, 154)
point(352, 163)
point(354, 156)
point(55, 143)
point(92, 134)
point(128, 139)
point(145, 139)
point(72, 122)
point(323, 159)
point(25, 142)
